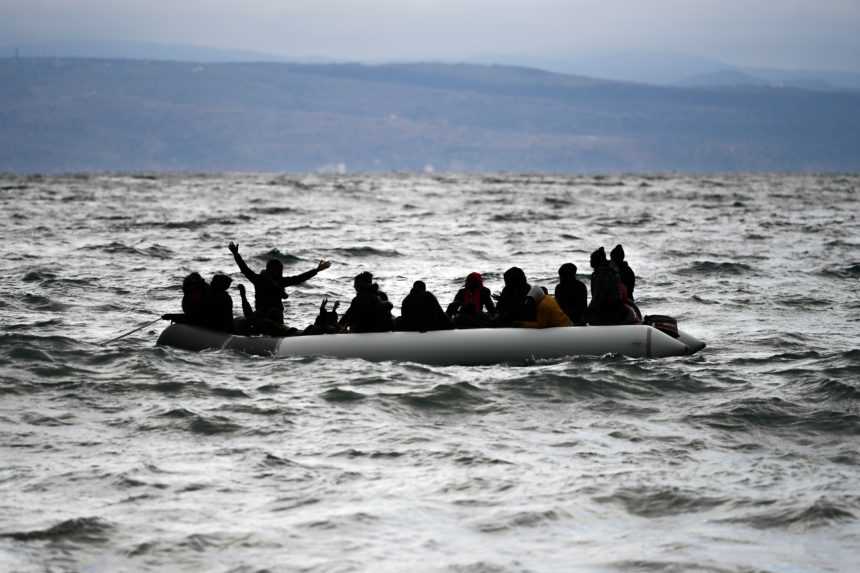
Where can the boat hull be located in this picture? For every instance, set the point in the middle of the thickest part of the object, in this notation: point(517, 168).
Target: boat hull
point(466, 347)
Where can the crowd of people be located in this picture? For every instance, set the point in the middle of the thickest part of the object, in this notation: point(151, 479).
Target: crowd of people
point(519, 304)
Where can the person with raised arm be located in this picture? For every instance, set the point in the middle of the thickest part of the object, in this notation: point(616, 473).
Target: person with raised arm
point(269, 293)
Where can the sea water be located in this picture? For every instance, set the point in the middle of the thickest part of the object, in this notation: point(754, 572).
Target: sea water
point(131, 457)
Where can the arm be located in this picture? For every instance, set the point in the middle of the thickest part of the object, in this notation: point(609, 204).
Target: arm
point(297, 279)
point(455, 304)
point(240, 262)
point(487, 300)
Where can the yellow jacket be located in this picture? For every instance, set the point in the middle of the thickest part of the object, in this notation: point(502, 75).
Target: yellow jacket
point(549, 314)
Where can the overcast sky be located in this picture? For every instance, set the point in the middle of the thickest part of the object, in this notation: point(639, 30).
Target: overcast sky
point(821, 34)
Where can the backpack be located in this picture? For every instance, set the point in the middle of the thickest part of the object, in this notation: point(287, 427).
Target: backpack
point(662, 323)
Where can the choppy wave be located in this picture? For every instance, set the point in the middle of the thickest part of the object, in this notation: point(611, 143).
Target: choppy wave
point(152, 458)
point(79, 529)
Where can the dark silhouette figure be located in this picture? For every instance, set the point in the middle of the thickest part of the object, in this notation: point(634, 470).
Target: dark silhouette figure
point(269, 291)
point(571, 294)
point(326, 320)
point(628, 277)
point(421, 311)
point(607, 294)
point(218, 305)
point(194, 293)
point(512, 301)
point(467, 308)
point(370, 310)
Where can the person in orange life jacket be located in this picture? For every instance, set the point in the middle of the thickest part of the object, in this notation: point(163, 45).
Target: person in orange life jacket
point(512, 301)
point(548, 313)
point(608, 294)
point(467, 307)
point(571, 294)
point(420, 311)
point(269, 287)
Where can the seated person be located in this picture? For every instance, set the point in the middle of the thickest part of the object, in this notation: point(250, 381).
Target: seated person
point(548, 312)
point(326, 321)
point(194, 293)
point(625, 273)
point(218, 305)
point(369, 310)
point(512, 301)
point(608, 305)
point(467, 309)
point(421, 311)
point(571, 294)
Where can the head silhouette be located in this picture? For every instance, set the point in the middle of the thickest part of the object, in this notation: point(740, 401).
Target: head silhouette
point(474, 280)
point(221, 282)
point(363, 281)
point(598, 258)
point(275, 268)
point(567, 272)
point(617, 254)
point(193, 282)
point(514, 277)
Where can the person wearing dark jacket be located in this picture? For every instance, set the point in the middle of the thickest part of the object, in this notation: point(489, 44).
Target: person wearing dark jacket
point(370, 310)
point(269, 292)
point(467, 308)
point(512, 301)
point(218, 304)
point(326, 321)
point(571, 294)
point(608, 304)
point(420, 311)
point(628, 277)
point(194, 294)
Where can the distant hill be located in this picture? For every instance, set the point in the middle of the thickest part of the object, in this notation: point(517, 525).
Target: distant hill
point(80, 114)
point(724, 78)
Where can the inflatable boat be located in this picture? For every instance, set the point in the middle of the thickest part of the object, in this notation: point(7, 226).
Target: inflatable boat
point(465, 347)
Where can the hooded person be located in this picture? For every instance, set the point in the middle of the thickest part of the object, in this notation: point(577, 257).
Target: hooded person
point(608, 295)
point(467, 308)
point(628, 277)
point(421, 311)
point(269, 291)
point(369, 310)
point(219, 305)
point(194, 294)
point(571, 293)
point(548, 313)
point(512, 301)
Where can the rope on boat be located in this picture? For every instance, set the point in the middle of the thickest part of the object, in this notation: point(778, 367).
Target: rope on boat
point(121, 336)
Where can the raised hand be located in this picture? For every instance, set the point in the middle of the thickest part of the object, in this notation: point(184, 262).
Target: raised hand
point(234, 248)
point(323, 265)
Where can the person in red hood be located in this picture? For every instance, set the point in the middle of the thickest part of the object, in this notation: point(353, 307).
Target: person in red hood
point(467, 309)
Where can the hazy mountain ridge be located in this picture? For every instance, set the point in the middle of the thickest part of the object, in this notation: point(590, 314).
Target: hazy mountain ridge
point(71, 115)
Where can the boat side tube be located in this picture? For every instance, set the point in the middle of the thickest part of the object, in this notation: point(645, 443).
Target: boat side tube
point(464, 347)
point(489, 346)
